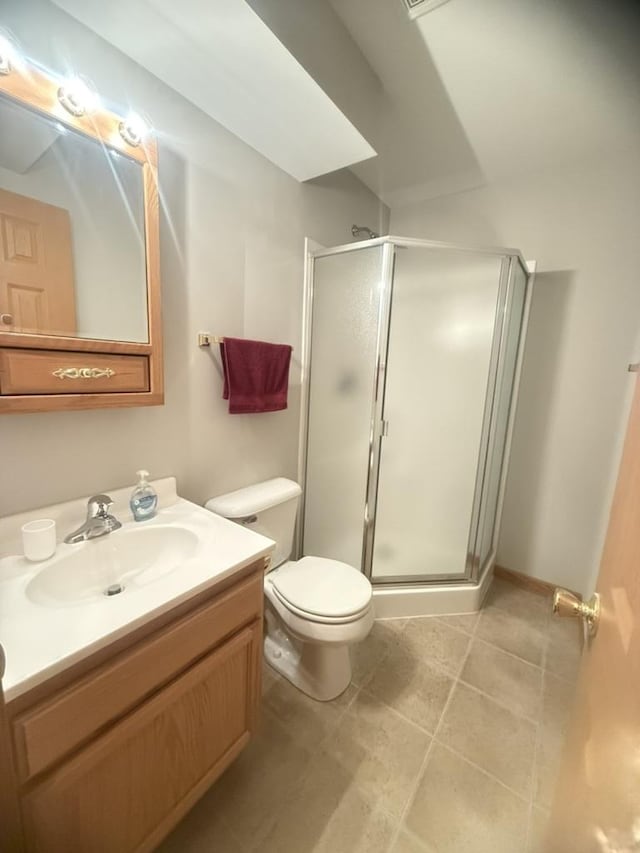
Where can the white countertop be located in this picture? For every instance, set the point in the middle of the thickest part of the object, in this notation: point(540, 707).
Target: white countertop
point(41, 640)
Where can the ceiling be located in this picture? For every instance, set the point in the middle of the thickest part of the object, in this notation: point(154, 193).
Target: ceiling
point(470, 93)
point(221, 56)
point(479, 91)
point(24, 139)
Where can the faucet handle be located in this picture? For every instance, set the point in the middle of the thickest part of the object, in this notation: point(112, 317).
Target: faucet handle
point(98, 506)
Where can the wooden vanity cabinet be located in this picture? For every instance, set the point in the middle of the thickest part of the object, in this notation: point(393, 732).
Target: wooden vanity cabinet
point(111, 760)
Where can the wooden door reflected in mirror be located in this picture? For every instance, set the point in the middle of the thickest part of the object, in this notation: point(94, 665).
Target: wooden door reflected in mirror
point(37, 287)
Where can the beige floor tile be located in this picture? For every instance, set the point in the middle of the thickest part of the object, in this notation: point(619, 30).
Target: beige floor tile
point(408, 843)
point(264, 777)
point(336, 777)
point(416, 688)
point(522, 634)
point(397, 625)
point(328, 813)
point(557, 704)
point(201, 830)
point(496, 739)
point(510, 680)
point(462, 621)
point(459, 809)
point(269, 677)
point(430, 639)
point(516, 599)
point(357, 825)
point(538, 823)
point(549, 751)
point(303, 818)
point(381, 752)
point(306, 721)
point(564, 647)
point(367, 655)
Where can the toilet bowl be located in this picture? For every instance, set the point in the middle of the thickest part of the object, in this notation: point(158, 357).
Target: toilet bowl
point(315, 608)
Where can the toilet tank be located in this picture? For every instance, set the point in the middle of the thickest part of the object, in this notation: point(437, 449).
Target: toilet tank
point(269, 508)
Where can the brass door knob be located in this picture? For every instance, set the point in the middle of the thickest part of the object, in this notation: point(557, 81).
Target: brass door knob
point(565, 603)
point(6, 319)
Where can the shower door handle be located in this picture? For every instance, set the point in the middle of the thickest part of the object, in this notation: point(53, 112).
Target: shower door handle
point(384, 428)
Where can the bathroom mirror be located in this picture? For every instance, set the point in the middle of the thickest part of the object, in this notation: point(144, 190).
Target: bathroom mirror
point(72, 261)
point(79, 278)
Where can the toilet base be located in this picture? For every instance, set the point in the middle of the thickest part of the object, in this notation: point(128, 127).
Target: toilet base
point(322, 671)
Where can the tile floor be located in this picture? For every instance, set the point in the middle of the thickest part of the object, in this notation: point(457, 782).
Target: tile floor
point(447, 741)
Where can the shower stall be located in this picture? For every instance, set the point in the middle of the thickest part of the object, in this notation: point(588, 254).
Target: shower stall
point(412, 359)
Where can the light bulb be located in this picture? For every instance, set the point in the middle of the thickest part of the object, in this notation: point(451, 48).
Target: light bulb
point(76, 97)
point(133, 130)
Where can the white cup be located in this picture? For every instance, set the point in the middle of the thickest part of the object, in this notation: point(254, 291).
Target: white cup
point(39, 539)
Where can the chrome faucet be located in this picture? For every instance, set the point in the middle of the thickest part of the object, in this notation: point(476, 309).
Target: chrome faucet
point(99, 521)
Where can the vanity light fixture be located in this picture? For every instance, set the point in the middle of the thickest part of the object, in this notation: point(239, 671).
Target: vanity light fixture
point(133, 130)
point(8, 56)
point(76, 97)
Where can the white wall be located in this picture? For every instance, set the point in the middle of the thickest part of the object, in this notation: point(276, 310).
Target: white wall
point(232, 232)
point(581, 225)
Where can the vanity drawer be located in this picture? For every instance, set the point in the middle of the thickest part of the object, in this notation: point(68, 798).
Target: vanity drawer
point(30, 371)
point(55, 727)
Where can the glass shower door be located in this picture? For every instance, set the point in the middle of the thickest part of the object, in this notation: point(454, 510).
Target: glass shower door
point(494, 472)
point(440, 354)
point(344, 343)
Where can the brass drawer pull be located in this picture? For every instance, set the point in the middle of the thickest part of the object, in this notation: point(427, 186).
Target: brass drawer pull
point(84, 373)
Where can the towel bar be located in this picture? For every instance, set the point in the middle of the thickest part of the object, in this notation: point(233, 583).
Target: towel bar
point(205, 339)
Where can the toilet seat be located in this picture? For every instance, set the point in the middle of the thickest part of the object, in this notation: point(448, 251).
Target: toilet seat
point(314, 629)
point(322, 590)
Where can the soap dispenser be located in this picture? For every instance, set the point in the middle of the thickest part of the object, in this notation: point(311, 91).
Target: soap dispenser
point(144, 500)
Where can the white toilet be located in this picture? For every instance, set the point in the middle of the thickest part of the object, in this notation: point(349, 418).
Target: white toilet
point(315, 607)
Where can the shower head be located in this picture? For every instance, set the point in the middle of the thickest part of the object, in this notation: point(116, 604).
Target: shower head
point(357, 230)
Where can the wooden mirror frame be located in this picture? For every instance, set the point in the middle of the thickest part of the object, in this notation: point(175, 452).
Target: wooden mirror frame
point(105, 374)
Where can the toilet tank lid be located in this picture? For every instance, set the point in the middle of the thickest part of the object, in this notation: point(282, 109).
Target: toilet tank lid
point(254, 499)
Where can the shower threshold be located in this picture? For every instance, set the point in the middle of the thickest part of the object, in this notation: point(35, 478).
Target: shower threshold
point(392, 601)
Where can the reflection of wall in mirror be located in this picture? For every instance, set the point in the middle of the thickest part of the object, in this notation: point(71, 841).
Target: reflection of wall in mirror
point(106, 211)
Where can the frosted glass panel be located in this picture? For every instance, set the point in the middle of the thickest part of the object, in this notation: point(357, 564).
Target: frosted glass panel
point(442, 322)
point(343, 362)
point(504, 393)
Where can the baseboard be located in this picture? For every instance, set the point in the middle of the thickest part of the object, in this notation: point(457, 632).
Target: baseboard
point(526, 581)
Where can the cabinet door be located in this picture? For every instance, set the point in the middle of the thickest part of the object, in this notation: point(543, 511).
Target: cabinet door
point(128, 789)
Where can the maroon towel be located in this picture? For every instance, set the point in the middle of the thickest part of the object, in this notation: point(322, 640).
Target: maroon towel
point(256, 375)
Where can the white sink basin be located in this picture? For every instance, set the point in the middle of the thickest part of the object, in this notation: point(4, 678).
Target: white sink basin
point(54, 614)
point(114, 564)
